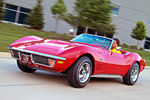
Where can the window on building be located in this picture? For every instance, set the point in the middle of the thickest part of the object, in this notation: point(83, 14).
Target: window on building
point(149, 22)
point(115, 10)
point(16, 14)
point(147, 43)
point(92, 31)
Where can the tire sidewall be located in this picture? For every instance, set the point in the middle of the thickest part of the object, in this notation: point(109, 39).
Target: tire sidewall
point(73, 72)
point(77, 71)
point(135, 65)
point(127, 78)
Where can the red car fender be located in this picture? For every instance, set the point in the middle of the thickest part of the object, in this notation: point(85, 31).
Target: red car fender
point(73, 54)
point(26, 40)
point(133, 58)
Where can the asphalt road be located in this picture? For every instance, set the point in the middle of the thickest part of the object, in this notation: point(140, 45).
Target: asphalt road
point(17, 85)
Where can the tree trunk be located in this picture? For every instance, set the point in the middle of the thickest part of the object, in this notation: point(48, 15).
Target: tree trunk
point(137, 44)
point(75, 28)
point(86, 30)
point(105, 35)
point(56, 25)
point(96, 33)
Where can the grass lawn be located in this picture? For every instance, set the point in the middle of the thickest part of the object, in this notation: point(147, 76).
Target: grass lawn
point(10, 33)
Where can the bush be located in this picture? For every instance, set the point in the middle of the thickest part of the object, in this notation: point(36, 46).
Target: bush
point(141, 49)
point(133, 47)
point(35, 17)
point(2, 12)
point(124, 45)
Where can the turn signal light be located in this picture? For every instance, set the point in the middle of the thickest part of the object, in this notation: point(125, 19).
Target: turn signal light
point(60, 62)
point(12, 53)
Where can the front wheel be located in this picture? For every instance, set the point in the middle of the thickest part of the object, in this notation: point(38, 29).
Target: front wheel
point(79, 73)
point(132, 76)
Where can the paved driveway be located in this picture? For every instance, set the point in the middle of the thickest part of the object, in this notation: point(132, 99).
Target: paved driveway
point(17, 85)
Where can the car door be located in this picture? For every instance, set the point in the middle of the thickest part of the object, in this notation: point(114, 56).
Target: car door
point(100, 60)
point(115, 63)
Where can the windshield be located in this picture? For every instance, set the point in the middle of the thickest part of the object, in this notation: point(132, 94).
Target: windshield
point(94, 40)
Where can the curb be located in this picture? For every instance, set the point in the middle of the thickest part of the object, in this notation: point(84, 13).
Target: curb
point(5, 55)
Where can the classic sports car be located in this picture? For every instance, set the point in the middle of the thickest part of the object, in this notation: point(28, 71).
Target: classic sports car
point(79, 58)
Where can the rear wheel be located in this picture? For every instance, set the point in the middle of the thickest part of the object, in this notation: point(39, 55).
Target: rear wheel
point(79, 73)
point(132, 76)
point(24, 68)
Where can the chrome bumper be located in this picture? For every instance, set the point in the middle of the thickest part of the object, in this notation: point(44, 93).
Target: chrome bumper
point(37, 53)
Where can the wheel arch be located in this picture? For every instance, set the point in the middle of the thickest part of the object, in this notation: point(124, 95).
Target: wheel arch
point(91, 58)
point(86, 54)
point(139, 65)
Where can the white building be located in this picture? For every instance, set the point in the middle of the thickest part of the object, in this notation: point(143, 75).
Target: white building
point(125, 15)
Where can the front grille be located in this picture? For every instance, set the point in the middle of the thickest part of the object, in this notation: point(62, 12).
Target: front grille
point(16, 54)
point(40, 59)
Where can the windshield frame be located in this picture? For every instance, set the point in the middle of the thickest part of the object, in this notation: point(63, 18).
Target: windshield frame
point(109, 45)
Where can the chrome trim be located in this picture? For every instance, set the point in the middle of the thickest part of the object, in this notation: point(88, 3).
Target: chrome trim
point(110, 45)
point(36, 64)
point(19, 55)
point(37, 53)
point(107, 76)
point(33, 61)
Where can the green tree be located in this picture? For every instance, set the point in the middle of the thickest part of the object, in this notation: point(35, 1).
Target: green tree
point(93, 14)
point(35, 17)
point(104, 28)
point(94, 10)
point(2, 12)
point(139, 32)
point(58, 10)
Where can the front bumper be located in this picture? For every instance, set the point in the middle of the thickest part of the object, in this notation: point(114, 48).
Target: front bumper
point(36, 58)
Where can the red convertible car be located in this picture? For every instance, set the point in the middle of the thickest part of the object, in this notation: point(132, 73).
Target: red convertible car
point(80, 58)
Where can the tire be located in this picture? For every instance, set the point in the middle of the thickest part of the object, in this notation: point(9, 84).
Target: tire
point(132, 76)
point(79, 74)
point(24, 68)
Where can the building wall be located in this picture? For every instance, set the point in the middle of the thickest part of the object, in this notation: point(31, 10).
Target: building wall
point(130, 11)
point(48, 17)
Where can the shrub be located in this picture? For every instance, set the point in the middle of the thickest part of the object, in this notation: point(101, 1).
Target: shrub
point(141, 49)
point(124, 45)
point(139, 32)
point(35, 18)
point(133, 47)
point(2, 12)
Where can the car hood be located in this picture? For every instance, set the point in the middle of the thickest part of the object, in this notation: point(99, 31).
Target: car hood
point(52, 47)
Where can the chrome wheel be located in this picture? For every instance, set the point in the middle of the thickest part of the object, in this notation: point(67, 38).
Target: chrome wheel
point(84, 72)
point(134, 74)
point(79, 73)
